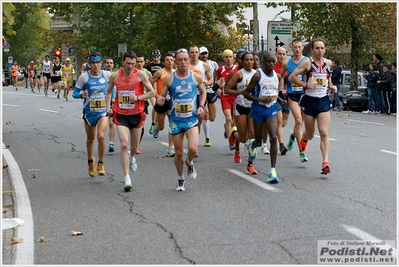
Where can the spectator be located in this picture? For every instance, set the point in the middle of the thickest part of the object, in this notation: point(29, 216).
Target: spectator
point(372, 78)
point(385, 86)
point(393, 95)
point(25, 76)
point(379, 61)
point(336, 80)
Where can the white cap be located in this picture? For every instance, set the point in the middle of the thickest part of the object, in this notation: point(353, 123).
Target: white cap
point(203, 49)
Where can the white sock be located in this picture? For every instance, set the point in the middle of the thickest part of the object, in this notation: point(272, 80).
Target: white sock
point(272, 169)
point(205, 126)
point(127, 177)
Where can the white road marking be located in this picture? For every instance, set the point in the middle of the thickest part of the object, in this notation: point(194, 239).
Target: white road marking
point(255, 181)
point(374, 123)
point(167, 144)
point(9, 105)
point(48, 110)
point(389, 152)
point(367, 237)
point(331, 139)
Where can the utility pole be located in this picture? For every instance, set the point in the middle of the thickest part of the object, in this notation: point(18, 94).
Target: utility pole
point(76, 30)
point(255, 29)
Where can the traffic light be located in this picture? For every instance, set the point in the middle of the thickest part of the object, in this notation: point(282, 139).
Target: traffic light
point(58, 53)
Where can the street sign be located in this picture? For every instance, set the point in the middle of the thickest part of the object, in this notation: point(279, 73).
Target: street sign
point(122, 49)
point(279, 34)
point(7, 46)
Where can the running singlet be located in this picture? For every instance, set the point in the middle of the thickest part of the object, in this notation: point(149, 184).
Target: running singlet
point(96, 87)
point(294, 88)
point(14, 71)
point(319, 75)
point(277, 68)
point(31, 71)
point(183, 92)
point(160, 81)
point(56, 70)
point(242, 85)
point(38, 70)
point(199, 68)
point(223, 73)
point(266, 87)
point(67, 73)
point(124, 87)
point(46, 66)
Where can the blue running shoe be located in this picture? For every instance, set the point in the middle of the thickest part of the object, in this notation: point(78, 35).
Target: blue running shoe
point(251, 152)
point(151, 131)
point(272, 177)
point(156, 132)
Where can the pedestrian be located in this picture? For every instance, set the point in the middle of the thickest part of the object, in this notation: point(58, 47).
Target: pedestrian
point(182, 86)
point(316, 103)
point(26, 78)
point(393, 95)
point(336, 80)
point(14, 70)
point(244, 130)
point(211, 96)
point(379, 61)
point(153, 67)
point(46, 66)
point(91, 87)
point(385, 83)
point(67, 75)
point(108, 64)
point(128, 110)
point(294, 93)
point(263, 91)
point(163, 111)
point(372, 78)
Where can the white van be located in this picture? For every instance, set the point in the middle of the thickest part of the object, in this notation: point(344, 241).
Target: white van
point(346, 82)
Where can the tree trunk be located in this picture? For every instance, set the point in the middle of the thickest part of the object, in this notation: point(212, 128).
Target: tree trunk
point(78, 54)
point(354, 55)
point(255, 35)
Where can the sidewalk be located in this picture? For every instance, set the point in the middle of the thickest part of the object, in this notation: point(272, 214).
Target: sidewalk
point(8, 212)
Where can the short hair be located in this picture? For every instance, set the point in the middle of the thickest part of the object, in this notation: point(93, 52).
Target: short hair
point(296, 40)
point(129, 54)
point(317, 40)
point(336, 61)
point(375, 66)
point(378, 56)
point(140, 55)
point(246, 53)
point(394, 64)
point(387, 65)
point(168, 55)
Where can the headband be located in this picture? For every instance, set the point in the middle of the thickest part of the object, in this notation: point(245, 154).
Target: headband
point(95, 58)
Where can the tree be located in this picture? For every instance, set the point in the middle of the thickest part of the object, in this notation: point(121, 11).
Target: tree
point(357, 26)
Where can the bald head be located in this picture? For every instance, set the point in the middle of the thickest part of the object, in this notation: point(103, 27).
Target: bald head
point(281, 55)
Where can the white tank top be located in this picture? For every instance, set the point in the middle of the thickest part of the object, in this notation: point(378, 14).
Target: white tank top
point(242, 85)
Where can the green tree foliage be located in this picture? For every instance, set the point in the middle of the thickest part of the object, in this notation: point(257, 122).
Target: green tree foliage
point(362, 29)
point(32, 33)
point(147, 26)
point(8, 18)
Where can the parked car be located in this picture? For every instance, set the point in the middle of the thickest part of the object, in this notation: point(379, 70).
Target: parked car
point(4, 77)
point(346, 82)
point(356, 100)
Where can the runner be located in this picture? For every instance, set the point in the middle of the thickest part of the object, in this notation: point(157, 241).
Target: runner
point(67, 76)
point(32, 76)
point(108, 64)
point(55, 72)
point(182, 86)
point(128, 110)
point(316, 103)
point(92, 87)
point(264, 93)
point(14, 70)
point(46, 66)
point(162, 111)
point(38, 75)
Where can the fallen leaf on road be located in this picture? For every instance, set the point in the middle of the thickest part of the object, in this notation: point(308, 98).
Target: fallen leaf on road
point(32, 170)
point(10, 131)
point(353, 139)
point(5, 166)
point(7, 147)
point(9, 123)
point(33, 176)
point(160, 156)
point(7, 191)
point(16, 240)
point(42, 239)
point(343, 122)
point(30, 124)
point(5, 211)
point(74, 233)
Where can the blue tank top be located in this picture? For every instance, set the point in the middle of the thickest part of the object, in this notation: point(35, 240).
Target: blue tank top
point(294, 88)
point(96, 88)
point(183, 93)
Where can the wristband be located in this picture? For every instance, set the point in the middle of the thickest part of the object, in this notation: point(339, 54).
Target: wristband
point(215, 87)
point(138, 98)
point(201, 106)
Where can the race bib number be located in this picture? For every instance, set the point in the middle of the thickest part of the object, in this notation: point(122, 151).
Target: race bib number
point(320, 79)
point(67, 75)
point(97, 102)
point(183, 108)
point(57, 73)
point(38, 73)
point(269, 93)
point(124, 100)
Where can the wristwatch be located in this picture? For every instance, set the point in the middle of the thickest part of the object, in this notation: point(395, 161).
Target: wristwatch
point(138, 98)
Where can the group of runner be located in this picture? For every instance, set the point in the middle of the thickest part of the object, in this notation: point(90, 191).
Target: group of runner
point(185, 88)
point(41, 73)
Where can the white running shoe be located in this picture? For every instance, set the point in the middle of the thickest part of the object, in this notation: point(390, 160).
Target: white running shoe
point(170, 152)
point(133, 164)
point(367, 112)
point(265, 150)
point(128, 185)
point(191, 171)
point(180, 185)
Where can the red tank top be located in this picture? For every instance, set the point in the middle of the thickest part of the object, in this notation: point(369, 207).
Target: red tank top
point(124, 87)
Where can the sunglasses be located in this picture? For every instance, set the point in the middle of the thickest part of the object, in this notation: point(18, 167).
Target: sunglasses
point(181, 50)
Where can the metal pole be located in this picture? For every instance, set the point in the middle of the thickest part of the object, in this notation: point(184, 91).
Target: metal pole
point(262, 45)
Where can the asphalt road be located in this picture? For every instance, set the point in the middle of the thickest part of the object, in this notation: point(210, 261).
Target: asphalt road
point(223, 217)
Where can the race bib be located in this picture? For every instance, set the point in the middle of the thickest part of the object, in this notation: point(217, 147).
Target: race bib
point(270, 93)
point(183, 108)
point(296, 87)
point(124, 99)
point(97, 102)
point(320, 79)
point(67, 75)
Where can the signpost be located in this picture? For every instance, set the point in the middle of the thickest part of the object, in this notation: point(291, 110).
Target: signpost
point(6, 47)
point(279, 34)
point(122, 49)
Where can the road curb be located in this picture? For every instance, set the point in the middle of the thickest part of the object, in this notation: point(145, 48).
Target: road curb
point(24, 251)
